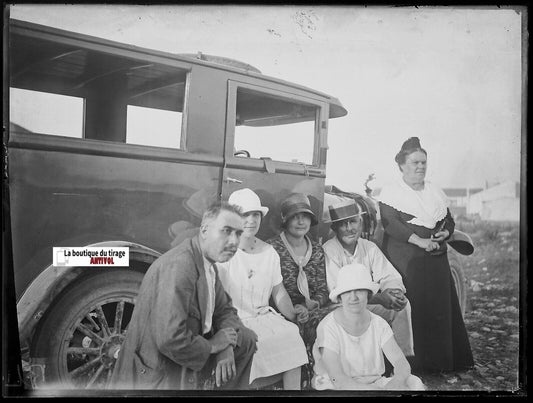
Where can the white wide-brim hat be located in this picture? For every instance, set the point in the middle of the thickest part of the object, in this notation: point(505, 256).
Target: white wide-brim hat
point(248, 201)
point(353, 276)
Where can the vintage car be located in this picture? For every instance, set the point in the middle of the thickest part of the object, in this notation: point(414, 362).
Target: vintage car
point(114, 145)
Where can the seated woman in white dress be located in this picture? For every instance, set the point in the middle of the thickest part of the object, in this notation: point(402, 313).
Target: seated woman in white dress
point(351, 341)
point(251, 277)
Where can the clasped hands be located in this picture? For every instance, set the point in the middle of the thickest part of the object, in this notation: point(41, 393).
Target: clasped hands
point(393, 298)
point(433, 243)
point(302, 311)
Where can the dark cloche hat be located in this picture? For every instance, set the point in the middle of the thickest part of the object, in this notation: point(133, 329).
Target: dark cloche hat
point(294, 204)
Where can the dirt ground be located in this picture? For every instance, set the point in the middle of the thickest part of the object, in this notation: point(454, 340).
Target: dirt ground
point(492, 315)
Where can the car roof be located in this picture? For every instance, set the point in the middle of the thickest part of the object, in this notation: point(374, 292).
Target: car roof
point(42, 34)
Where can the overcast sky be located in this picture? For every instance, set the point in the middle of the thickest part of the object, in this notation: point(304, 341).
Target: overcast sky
point(451, 76)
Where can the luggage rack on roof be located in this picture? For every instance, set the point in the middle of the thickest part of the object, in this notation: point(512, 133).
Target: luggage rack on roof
point(225, 61)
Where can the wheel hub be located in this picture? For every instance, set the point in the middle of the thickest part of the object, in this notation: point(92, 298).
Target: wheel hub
point(110, 349)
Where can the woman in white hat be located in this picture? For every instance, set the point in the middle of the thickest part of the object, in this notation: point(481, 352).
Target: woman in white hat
point(251, 277)
point(351, 341)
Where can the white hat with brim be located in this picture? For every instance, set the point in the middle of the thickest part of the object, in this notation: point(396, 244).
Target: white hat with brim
point(353, 276)
point(248, 201)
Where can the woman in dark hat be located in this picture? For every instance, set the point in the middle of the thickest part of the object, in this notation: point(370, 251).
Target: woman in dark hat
point(417, 222)
point(303, 269)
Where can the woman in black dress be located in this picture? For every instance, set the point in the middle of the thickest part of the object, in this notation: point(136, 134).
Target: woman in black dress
point(417, 223)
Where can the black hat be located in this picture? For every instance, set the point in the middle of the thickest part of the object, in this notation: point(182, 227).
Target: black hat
point(344, 210)
point(294, 204)
point(411, 143)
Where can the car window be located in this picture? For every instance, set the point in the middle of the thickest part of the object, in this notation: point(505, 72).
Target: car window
point(66, 90)
point(46, 113)
point(274, 126)
point(153, 127)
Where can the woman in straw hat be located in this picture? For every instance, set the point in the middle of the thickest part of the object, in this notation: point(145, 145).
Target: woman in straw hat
point(251, 277)
point(303, 268)
point(351, 341)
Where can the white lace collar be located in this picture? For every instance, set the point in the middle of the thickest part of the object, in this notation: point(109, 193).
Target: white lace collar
point(428, 206)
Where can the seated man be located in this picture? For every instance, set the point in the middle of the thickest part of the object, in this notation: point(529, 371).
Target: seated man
point(348, 247)
point(183, 319)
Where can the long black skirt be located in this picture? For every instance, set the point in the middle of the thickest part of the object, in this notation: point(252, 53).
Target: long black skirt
point(439, 334)
point(440, 338)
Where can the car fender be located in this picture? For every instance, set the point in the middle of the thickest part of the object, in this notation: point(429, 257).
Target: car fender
point(42, 291)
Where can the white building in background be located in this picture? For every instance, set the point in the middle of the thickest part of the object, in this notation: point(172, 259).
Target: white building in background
point(458, 199)
point(497, 203)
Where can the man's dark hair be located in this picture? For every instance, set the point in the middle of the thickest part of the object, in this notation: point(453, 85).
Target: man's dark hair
point(215, 208)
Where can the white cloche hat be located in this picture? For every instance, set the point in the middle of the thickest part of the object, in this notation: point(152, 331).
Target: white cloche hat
point(353, 276)
point(248, 201)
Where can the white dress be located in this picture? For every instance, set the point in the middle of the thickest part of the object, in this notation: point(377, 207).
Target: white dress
point(361, 356)
point(249, 280)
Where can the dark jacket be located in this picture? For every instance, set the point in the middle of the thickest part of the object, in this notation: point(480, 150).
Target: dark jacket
point(165, 331)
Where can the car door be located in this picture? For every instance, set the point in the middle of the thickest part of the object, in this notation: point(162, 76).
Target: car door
point(275, 144)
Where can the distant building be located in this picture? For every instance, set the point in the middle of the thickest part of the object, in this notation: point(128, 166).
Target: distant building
point(458, 199)
point(497, 203)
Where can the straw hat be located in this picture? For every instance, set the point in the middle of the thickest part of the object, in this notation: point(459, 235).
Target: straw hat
point(248, 201)
point(344, 209)
point(353, 276)
point(294, 204)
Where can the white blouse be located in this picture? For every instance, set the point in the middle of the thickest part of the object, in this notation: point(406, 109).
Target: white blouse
point(250, 278)
point(361, 357)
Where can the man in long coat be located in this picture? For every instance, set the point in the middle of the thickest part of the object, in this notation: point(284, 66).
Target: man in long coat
point(183, 322)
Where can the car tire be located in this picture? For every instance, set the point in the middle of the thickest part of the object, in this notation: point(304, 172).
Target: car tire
point(85, 328)
point(459, 279)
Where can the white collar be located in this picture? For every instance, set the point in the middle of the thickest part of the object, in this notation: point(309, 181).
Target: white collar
point(428, 206)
